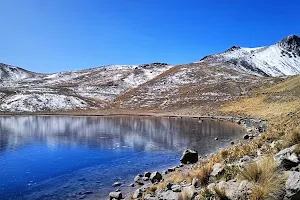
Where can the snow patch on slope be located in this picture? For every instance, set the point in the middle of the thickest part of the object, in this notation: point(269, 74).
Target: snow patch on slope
point(41, 102)
point(282, 58)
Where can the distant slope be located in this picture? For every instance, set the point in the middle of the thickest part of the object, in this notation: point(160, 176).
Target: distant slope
point(282, 58)
point(82, 89)
point(281, 98)
point(12, 73)
point(197, 87)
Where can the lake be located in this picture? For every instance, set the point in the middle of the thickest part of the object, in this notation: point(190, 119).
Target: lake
point(65, 157)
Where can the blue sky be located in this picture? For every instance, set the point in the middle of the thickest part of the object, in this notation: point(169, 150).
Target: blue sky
point(59, 35)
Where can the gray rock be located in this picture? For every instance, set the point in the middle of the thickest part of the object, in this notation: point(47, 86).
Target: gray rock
point(115, 195)
point(246, 136)
point(169, 186)
point(169, 195)
point(117, 184)
point(235, 190)
point(176, 188)
point(147, 174)
point(138, 179)
point(137, 194)
point(145, 179)
point(232, 142)
point(217, 169)
point(149, 197)
point(245, 160)
point(189, 156)
point(195, 182)
point(155, 177)
point(287, 159)
point(292, 186)
point(131, 185)
point(172, 169)
point(216, 138)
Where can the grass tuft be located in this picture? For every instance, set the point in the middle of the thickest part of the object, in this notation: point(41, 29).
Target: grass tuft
point(267, 179)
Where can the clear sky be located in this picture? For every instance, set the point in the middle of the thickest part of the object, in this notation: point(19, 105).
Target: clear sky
point(59, 35)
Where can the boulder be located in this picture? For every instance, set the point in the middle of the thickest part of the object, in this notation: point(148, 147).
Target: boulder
point(292, 186)
point(176, 188)
point(137, 194)
point(115, 195)
point(147, 174)
point(138, 179)
point(235, 190)
point(189, 156)
point(155, 177)
point(149, 197)
point(217, 169)
point(287, 159)
point(169, 195)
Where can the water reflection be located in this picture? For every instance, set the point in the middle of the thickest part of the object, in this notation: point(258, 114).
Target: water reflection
point(139, 133)
point(43, 157)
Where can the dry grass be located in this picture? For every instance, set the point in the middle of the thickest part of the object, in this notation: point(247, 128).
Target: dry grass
point(220, 193)
point(297, 149)
point(267, 179)
point(279, 99)
point(202, 173)
point(292, 138)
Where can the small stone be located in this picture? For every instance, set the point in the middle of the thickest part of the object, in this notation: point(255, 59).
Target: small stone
point(118, 190)
point(145, 179)
point(169, 186)
point(115, 195)
point(246, 136)
point(216, 138)
point(232, 142)
point(172, 169)
point(131, 185)
point(195, 182)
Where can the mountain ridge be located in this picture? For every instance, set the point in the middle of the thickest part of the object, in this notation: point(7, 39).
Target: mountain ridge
point(279, 59)
point(210, 82)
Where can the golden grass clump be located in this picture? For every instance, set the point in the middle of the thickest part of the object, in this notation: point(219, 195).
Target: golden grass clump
point(220, 193)
point(266, 177)
point(292, 138)
point(202, 173)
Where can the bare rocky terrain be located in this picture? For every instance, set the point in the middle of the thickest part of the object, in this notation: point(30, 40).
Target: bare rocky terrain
point(194, 88)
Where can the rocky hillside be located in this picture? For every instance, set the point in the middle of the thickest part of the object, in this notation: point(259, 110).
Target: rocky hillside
point(12, 73)
point(282, 58)
point(199, 87)
point(83, 89)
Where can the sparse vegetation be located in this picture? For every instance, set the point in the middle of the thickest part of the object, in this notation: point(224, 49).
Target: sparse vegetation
point(220, 193)
point(266, 177)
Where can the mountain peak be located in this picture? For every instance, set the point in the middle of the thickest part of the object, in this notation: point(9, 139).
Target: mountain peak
point(233, 48)
point(291, 43)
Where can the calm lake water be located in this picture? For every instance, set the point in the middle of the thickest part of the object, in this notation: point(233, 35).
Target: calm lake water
point(61, 157)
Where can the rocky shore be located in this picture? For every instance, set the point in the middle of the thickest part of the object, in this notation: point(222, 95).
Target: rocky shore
point(256, 167)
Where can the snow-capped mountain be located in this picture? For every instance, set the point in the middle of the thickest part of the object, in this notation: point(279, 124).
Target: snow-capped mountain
point(282, 58)
point(22, 90)
point(12, 73)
